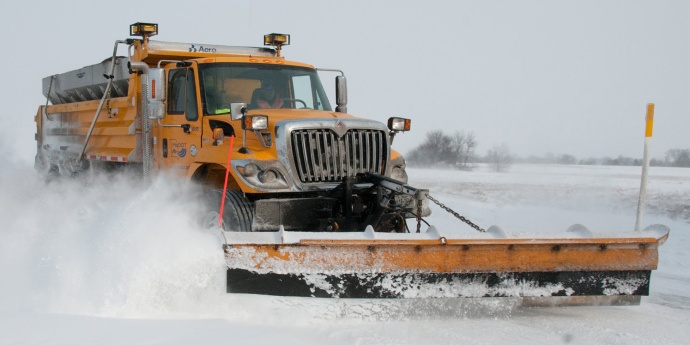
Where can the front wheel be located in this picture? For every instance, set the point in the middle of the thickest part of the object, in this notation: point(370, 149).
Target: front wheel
point(238, 213)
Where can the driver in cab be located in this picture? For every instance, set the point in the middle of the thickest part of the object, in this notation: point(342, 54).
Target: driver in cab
point(267, 97)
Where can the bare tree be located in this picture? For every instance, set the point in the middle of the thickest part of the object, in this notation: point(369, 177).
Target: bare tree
point(442, 145)
point(678, 157)
point(439, 148)
point(499, 158)
point(464, 147)
point(436, 149)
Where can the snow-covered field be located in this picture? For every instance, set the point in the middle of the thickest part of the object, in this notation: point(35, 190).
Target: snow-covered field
point(115, 262)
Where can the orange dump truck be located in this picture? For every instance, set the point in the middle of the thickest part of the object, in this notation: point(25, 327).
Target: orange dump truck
point(315, 201)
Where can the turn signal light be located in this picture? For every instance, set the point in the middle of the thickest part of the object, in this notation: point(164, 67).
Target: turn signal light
point(218, 136)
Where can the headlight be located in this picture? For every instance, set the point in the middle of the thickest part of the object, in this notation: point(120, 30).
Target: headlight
point(268, 176)
point(398, 124)
point(262, 175)
point(250, 170)
point(255, 122)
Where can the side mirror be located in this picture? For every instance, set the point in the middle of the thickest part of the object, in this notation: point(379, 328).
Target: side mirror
point(157, 84)
point(237, 110)
point(341, 94)
point(156, 93)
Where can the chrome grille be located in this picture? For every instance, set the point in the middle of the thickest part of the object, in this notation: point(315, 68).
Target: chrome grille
point(321, 156)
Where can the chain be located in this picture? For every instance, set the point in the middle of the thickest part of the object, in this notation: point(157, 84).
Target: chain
point(419, 216)
point(457, 215)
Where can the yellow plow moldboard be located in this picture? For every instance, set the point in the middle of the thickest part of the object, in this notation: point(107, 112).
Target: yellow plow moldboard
point(446, 268)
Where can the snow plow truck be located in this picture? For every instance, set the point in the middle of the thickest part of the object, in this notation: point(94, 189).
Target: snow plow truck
point(311, 201)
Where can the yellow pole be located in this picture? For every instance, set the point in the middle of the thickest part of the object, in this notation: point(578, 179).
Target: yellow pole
point(650, 120)
point(642, 201)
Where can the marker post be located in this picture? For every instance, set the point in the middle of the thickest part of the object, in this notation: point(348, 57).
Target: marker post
point(642, 201)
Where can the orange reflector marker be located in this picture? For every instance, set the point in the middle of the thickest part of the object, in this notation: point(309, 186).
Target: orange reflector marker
point(650, 120)
point(153, 89)
point(218, 136)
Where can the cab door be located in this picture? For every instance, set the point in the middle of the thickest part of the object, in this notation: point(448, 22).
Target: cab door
point(179, 132)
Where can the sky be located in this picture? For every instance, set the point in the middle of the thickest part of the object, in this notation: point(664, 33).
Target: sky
point(560, 77)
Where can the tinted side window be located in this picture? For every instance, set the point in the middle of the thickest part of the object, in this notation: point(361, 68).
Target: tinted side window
point(191, 112)
point(177, 82)
point(182, 93)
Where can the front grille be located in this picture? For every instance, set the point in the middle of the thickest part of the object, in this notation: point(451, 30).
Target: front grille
point(321, 156)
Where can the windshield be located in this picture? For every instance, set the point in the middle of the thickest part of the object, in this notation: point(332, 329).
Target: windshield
point(260, 87)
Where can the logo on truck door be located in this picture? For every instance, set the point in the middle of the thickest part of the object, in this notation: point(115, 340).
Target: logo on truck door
point(178, 148)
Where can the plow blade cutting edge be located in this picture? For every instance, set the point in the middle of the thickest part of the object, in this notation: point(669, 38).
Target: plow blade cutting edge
point(429, 265)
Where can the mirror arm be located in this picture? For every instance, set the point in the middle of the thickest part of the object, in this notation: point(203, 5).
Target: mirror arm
point(340, 89)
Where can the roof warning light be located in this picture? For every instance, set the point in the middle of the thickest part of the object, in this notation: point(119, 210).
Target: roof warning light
point(277, 40)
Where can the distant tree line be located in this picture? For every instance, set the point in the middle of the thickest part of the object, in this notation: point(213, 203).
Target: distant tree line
point(440, 149)
point(459, 151)
point(673, 158)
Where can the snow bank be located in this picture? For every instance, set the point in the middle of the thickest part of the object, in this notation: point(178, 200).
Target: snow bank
point(116, 261)
point(109, 246)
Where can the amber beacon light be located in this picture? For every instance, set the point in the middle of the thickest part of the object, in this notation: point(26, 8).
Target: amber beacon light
point(277, 40)
point(143, 29)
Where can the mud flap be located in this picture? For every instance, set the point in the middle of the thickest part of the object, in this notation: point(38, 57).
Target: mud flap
point(441, 285)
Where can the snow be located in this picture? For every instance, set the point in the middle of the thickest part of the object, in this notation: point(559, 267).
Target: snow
point(111, 260)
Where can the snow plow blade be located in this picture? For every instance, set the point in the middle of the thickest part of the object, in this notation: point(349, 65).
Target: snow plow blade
point(429, 265)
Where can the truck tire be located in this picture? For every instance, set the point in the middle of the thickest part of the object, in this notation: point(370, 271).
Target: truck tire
point(52, 175)
point(238, 213)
